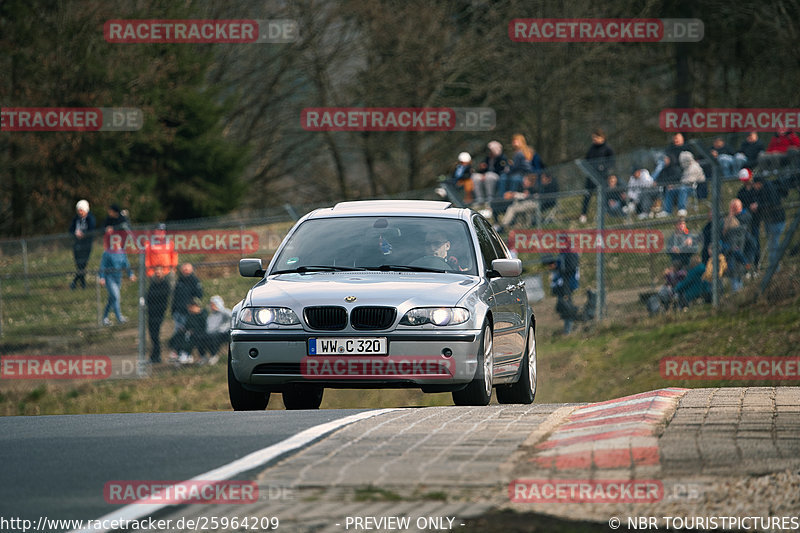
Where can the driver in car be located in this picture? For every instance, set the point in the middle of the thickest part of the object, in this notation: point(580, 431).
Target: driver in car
point(436, 247)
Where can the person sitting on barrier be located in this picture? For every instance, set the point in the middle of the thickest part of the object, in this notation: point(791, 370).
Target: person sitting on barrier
point(461, 177)
point(641, 193)
point(218, 330)
point(724, 155)
point(749, 151)
point(524, 162)
point(681, 244)
point(484, 182)
point(191, 333)
point(614, 197)
point(784, 143)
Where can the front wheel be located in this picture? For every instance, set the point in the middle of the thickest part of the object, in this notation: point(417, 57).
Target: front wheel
point(479, 390)
point(241, 398)
point(302, 397)
point(524, 390)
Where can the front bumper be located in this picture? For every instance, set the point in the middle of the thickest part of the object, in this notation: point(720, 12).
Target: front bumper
point(269, 359)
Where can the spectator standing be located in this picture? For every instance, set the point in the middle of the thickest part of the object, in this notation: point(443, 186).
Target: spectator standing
point(564, 281)
point(768, 204)
point(112, 264)
point(735, 231)
point(117, 219)
point(601, 158)
point(641, 192)
point(724, 155)
point(749, 151)
point(748, 195)
point(160, 259)
point(187, 288)
point(484, 182)
point(82, 231)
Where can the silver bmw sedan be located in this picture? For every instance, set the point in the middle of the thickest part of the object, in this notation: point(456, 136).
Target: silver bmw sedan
point(386, 293)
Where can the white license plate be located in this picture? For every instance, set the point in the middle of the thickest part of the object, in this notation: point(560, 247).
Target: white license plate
point(348, 346)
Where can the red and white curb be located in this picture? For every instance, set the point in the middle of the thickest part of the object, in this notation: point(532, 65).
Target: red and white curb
point(619, 434)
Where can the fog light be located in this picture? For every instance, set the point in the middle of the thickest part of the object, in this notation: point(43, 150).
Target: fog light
point(447, 352)
point(253, 353)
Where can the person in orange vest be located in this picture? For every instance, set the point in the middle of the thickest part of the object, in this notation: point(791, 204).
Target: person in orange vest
point(160, 259)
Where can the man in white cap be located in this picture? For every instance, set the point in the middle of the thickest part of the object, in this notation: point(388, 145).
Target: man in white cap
point(82, 231)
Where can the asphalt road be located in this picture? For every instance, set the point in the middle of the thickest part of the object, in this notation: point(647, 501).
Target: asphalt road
point(57, 466)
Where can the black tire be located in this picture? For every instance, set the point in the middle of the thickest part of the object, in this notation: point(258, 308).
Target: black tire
point(479, 390)
point(241, 398)
point(302, 397)
point(524, 390)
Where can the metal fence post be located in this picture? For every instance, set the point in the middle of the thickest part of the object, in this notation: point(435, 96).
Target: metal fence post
point(600, 259)
point(141, 367)
point(98, 300)
point(25, 265)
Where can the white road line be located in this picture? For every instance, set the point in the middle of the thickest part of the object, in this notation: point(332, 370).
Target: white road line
point(137, 511)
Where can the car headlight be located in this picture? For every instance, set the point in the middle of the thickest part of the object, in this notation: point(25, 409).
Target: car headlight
point(264, 316)
point(438, 316)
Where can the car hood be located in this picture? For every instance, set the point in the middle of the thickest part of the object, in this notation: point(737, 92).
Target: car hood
point(397, 289)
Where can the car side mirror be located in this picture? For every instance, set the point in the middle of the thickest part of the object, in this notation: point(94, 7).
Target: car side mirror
point(251, 268)
point(507, 268)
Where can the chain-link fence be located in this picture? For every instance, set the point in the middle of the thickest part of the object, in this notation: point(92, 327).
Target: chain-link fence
point(634, 259)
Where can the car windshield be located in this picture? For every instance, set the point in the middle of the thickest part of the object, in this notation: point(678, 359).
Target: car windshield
point(417, 244)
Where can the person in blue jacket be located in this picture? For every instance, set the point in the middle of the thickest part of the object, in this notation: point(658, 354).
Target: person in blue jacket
point(112, 264)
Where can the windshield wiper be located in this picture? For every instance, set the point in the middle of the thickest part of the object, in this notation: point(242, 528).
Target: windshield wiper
point(316, 268)
point(406, 268)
